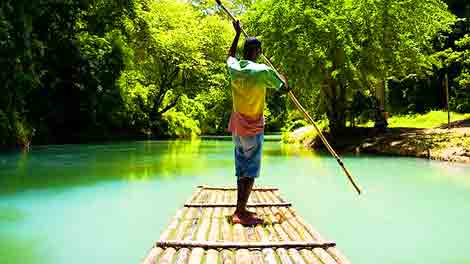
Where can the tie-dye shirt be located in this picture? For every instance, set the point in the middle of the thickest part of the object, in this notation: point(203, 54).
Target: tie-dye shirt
point(249, 81)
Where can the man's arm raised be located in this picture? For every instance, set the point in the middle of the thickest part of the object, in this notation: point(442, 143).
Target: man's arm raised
point(238, 30)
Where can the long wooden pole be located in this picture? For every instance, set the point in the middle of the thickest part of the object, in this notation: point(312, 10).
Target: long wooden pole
point(302, 109)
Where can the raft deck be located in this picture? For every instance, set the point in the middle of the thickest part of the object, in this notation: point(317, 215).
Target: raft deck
point(202, 233)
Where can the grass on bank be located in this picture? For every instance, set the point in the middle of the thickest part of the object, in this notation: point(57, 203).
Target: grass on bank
point(432, 119)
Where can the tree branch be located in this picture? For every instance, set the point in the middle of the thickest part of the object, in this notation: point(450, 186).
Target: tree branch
point(163, 87)
point(169, 106)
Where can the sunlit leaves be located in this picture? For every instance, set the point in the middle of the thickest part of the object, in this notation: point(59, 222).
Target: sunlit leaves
point(347, 45)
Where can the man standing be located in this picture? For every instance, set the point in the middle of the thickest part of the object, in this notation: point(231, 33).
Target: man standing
point(249, 81)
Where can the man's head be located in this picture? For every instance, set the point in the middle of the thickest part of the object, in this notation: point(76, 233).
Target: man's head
point(252, 49)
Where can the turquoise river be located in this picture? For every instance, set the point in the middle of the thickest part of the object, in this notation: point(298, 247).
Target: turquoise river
point(107, 203)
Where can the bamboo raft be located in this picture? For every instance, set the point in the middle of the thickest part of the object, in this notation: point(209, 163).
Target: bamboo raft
point(201, 233)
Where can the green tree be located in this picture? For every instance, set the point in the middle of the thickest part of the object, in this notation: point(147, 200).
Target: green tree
point(339, 46)
point(178, 52)
point(456, 61)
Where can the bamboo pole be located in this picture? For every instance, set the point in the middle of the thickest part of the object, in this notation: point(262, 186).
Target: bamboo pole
point(194, 222)
point(212, 255)
point(208, 205)
point(292, 226)
point(242, 255)
point(310, 233)
point(252, 236)
point(268, 253)
point(278, 228)
point(196, 256)
point(184, 253)
point(281, 252)
point(310, 257)
point(257, 256)
point(183, 256)
point(302, 109)
point(197, 252)
point(234, 188)
point(168, 256)
point(155, 252)
point(227, 256)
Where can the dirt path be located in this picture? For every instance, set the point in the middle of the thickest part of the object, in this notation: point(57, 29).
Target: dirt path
point(436, 143)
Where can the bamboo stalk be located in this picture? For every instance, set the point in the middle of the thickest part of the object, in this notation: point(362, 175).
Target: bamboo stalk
point(212, 255)
point(196, 213)
point(268, 253)
point(156, 251)
point(227, 256)
point(183, 256)
point(196, 256)
point(252, 236)
point(287, 232)
point(234, 188)
point(278, 228)
point(322, 137)
point(217, 215)
point(281, 252)
point(202, 231)
point(242, 255)
point(311, 233)
point(202, 205)
point(295, 231)
point(310, 257)
point(185, 218)
point(206, 219)
point(319, 253)
point(256, 256)
point(184, 231)
point(167, 256)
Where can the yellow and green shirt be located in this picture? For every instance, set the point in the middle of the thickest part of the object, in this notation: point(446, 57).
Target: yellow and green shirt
point(249, 81)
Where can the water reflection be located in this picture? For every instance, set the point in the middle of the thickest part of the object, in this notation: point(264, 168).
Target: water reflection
point(65, 166)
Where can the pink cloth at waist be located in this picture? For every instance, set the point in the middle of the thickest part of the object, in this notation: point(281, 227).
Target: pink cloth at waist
point(243, 125)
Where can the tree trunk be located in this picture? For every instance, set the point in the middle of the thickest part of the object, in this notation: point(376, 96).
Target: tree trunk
point(337, 109)
point(380, 94)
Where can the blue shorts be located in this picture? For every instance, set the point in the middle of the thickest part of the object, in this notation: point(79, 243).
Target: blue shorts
point(248, 155)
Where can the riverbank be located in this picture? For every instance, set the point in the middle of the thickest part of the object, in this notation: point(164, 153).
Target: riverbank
point(431, 143)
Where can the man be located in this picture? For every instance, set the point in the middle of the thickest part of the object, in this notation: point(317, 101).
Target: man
point(249, 81)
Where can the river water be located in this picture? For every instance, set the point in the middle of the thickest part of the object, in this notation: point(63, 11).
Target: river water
point(108, 203)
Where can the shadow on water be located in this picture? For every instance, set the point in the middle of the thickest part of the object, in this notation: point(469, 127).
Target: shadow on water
point(78, 165)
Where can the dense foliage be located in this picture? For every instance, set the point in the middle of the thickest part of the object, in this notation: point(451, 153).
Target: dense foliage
point(454, 61)
point(332, 48)
point(60, 61)
point(75, 71)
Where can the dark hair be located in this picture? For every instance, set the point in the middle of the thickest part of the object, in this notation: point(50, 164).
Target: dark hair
point(251, 44)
